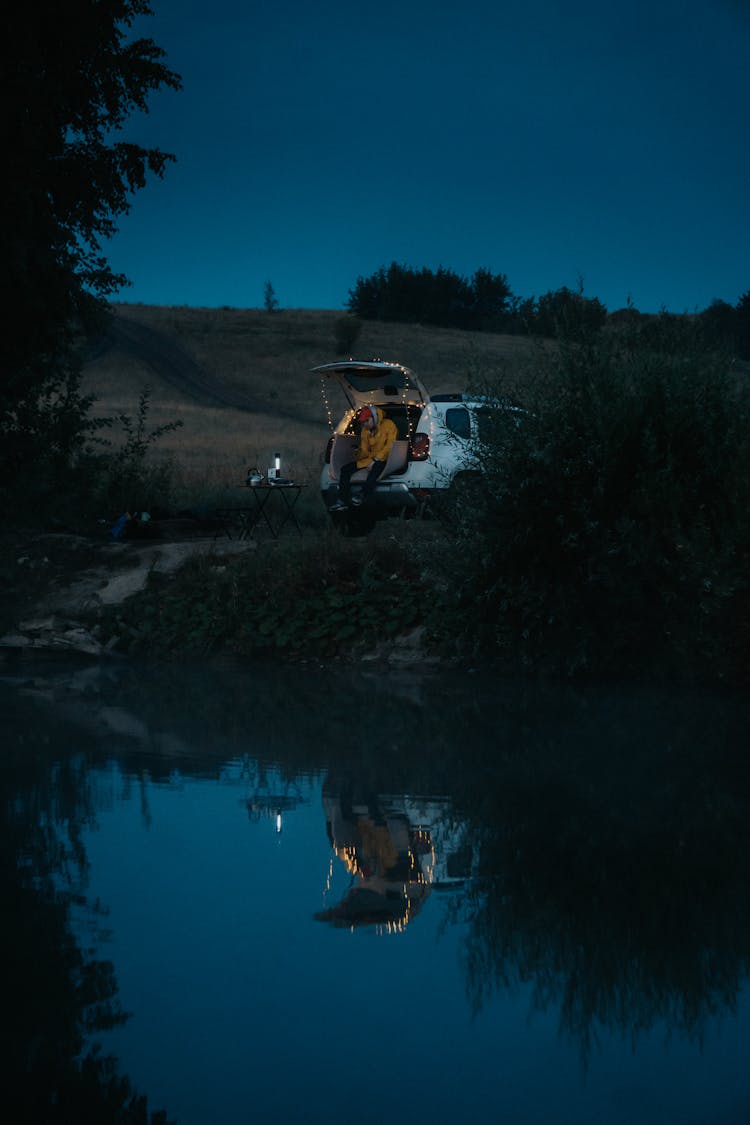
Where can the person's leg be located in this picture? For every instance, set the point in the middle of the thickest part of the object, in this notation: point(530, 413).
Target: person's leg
point(369, 486)
point(372, 477)
point(345, 478)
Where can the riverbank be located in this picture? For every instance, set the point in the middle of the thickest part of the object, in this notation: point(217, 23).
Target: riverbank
point(87, 596)
point(56, 584)
point(387, 602)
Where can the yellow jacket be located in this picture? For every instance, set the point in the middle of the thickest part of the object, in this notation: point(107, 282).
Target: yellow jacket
point(375, 445)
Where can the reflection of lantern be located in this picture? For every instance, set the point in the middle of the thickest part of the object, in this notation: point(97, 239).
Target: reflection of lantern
point(278, 821)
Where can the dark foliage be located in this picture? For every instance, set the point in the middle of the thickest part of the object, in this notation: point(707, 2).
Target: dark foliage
point(425, 296)
point(323, 599)
point(742, 326)
point(613, 533)
point(483, 302)
point(611, 832)
point(58, 995)
point(486, 302)
point(346, 332)
point(71, 78)
point(564, 310)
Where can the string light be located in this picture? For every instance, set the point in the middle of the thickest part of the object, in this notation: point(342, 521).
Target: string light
point(326, 404)
point(406, 386)
point(329, 879)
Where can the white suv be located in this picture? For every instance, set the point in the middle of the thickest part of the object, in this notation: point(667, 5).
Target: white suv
point(437, 437)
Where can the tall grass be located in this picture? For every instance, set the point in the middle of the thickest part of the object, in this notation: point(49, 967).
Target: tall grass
point(613, 532)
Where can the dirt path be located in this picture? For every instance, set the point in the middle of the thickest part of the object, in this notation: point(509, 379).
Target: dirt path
point(165, 358)
point(160, 353)
point(58, 583)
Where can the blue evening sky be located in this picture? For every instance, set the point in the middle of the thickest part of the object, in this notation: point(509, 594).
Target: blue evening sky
point(548, 141)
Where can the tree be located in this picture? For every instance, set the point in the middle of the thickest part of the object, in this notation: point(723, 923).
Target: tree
point(742, 325)
point(346, 332)
point(718, 321)
point(428, 296)
point(270, 301)
point(560, 311)
point(491, 295)
point(72, 77)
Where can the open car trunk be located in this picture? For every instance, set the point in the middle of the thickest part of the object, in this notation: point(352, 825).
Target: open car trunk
point(375, 383)
point(344, 445)
point(392, 387)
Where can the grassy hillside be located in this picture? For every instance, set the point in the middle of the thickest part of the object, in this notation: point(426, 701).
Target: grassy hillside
point(266, 358)
point(613, 538)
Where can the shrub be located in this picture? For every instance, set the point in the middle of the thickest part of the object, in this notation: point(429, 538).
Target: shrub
point(427, 296)
point(130, 477)
point(346, 332)
point(319, 597)
point(612, 533)
point(270, 300)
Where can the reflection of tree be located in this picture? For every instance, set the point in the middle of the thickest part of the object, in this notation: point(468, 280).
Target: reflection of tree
point(615, 878)
point(56, 994)
point(612, 832)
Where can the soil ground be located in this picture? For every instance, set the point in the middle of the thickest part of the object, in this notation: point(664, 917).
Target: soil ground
point(52, 582)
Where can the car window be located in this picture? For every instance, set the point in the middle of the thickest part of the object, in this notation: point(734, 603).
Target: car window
point(457, 421)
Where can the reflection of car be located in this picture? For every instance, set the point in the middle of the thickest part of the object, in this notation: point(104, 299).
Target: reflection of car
point(436, 436)
point(396, 850)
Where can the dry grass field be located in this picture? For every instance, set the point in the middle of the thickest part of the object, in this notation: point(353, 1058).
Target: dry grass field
point(264, 359)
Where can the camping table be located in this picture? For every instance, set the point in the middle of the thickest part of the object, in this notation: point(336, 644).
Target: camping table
point(246, 518)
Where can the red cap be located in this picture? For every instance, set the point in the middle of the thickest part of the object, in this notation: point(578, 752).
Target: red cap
point(365, 413)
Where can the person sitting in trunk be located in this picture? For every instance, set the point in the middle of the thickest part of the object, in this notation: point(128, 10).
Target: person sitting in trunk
point(375, 443)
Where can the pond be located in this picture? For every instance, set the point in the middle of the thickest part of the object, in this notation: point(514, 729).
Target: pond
point(300, 895)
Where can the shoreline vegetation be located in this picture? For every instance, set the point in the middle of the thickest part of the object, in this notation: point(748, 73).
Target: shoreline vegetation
point(608, 537)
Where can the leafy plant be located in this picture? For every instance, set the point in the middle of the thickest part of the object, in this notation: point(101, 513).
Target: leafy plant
point(129, 477)
point(346, 332)
point(325, 599)
point(613, 529)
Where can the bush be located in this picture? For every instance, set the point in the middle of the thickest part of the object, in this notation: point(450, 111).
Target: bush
point(427, 296)
point(612, 533)
point(315, 598)
point(128, 477)
point(346, 332)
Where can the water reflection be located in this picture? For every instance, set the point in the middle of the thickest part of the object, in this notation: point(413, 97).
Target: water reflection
point(396, 850)
point(615, 873)
point(587, 851)
point(58, 993)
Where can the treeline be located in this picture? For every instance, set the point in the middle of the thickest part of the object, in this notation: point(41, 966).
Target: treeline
point(486, 302)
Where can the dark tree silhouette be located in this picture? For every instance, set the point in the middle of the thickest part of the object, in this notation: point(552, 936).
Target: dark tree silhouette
point(442, 297)
point(742, 325)
point(72, 76)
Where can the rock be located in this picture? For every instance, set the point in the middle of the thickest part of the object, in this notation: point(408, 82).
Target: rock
point(14, 640)
point(76, 640)
point(67, 609)
point(37, 626)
